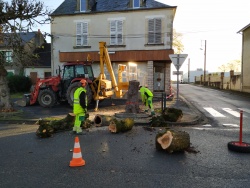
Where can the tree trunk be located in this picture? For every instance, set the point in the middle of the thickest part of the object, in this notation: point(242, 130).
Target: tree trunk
point(102, 120)
point(132, 105)
point(48, 127)
point(172, 141)
point(117, 126)
point(5, 101)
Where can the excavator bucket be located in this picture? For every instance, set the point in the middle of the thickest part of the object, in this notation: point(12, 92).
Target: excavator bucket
point(25, 101)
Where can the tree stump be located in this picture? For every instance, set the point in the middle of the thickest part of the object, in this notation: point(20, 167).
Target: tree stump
point(102, 120)
point(117, 126)
point(132, 105)
point(172, 141)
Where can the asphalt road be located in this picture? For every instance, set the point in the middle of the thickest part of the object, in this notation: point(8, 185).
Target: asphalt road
point(120, 160)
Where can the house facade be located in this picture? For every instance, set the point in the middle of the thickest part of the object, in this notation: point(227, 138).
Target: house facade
point(245, 59)
point(138, 34)
point(29, 40)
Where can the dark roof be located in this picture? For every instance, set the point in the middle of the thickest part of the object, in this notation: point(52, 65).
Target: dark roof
point(69, 6)
point(44, 53)
point(25, 37)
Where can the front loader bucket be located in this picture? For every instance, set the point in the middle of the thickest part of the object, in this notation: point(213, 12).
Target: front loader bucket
point(25, 101)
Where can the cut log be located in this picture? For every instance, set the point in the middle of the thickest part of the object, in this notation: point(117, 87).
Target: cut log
point(117, 126)
point(47, 127)
point(132, 105)
point(172, 141)
point(102, 120)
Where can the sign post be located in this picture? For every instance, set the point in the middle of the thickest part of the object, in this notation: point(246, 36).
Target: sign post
point(178, 60)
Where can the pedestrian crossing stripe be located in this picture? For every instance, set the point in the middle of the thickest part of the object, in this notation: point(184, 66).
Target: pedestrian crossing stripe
point(213, 112)
point(230, 111)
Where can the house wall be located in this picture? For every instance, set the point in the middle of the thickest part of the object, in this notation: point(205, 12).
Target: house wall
point(40, 72)
point(63, 30)
point(246, 61)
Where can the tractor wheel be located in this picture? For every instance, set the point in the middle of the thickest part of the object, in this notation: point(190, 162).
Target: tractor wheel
point(47, 98)
point(71, 90)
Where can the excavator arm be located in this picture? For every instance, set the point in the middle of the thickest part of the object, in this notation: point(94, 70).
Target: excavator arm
point(106, 88)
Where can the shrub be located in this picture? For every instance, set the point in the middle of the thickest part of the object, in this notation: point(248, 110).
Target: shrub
point(18, 83)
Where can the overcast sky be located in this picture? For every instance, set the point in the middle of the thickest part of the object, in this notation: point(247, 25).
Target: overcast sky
point(216, 21)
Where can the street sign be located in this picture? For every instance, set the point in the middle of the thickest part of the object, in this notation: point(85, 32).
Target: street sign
point(178, 59)
point(177, 72)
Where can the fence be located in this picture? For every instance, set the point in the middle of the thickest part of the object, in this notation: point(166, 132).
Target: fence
point(218, 80)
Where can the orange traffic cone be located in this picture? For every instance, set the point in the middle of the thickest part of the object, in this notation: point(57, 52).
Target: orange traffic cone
point(77, 155)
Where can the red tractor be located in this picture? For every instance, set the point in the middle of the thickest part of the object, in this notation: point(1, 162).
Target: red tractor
point(50, 91)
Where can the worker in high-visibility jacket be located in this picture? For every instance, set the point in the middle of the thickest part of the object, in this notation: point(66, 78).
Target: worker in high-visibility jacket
point(147, 99)
point(80, 106)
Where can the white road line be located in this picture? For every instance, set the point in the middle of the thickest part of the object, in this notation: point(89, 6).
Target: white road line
point(213, 112)
point(231, 125)
point(230, 111)
point(244, 110)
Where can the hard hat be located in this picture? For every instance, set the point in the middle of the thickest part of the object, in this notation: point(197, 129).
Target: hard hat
point(83, 81)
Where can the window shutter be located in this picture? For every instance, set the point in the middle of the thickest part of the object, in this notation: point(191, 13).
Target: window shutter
point(84, 33)
point(158, 31)
point(78, 34)
point(116, 30)
point(154, 31)
point(113, 32)
point(151, 31)
point(81, 33)
point(119, 32)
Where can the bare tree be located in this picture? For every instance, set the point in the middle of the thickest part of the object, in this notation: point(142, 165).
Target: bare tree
point(15, 17)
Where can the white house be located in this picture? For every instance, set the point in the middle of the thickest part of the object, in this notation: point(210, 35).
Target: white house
point(138, 33)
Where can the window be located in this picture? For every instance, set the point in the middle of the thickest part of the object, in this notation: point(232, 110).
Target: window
point(82, 34)
point(83, 5)
point(7, 56)
point(116, 36)
point(154, 31)
point(136, 3)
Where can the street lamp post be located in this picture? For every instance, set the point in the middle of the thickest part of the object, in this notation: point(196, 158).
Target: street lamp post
point(205, 54)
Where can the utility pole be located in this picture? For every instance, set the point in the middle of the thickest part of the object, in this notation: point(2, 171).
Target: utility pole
point(188, 70)
point(205, 54)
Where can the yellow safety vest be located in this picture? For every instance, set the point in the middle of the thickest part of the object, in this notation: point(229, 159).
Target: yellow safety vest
point(77, 108)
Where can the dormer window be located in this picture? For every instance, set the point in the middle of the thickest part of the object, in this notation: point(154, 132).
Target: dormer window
point(136, 3)
point(83, 5)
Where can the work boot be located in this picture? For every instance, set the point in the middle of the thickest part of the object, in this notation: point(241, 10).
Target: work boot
point(79, 131)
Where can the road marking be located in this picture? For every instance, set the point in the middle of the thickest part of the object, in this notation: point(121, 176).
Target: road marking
point(231, 125)
point(230, 111)
point(213, 112)
point(207, 125)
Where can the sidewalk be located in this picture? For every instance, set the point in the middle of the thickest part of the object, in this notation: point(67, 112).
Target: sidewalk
point(31, 114)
